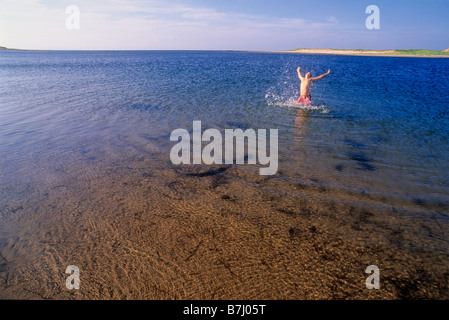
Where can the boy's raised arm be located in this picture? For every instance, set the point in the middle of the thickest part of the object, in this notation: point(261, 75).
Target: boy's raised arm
point(299, 74)
point(322, 76)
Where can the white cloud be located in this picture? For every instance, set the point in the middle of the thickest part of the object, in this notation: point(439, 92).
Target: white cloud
point(138, 24)
point(332, 19)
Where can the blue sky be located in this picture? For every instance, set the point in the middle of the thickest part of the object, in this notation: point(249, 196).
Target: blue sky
point(224, 24)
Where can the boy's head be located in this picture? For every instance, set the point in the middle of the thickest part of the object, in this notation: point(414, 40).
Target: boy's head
point(308, 75)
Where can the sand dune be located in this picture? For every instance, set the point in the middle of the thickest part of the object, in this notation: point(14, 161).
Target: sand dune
point(394, 53)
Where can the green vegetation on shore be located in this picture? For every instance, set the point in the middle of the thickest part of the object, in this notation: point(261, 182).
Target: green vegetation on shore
point(423, 52)
point(408, 52)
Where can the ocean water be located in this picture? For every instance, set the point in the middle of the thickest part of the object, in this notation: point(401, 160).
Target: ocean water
point(377, 131)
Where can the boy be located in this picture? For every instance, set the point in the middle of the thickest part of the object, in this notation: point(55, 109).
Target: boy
point(306, 83)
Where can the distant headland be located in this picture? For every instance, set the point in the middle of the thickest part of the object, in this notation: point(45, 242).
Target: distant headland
point(5, 48)
point(389, 53)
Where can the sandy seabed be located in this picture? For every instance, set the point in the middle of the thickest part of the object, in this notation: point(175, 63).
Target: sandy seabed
point(146, 229)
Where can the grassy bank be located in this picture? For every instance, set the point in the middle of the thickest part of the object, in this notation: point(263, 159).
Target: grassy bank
point(421, 52)
point(408, 53)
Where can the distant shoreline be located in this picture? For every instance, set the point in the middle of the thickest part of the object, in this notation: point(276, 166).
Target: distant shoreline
point(416, 53)
point(422, 53)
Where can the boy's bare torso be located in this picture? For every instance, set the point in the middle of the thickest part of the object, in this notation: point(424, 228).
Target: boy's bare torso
point(306, 82)
point(305, 88)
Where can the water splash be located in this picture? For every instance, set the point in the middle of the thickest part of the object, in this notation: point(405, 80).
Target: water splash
point(289, 100)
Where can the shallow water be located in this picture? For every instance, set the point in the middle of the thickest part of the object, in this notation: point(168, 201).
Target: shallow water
point(377, 133)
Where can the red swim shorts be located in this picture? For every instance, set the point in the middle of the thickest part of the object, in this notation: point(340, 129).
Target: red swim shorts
point(305, 100)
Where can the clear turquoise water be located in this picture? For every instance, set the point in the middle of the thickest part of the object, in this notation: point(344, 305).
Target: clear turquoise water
point(379, 126)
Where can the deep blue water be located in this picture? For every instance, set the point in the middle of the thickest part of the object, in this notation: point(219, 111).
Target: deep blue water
point(378, 125)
